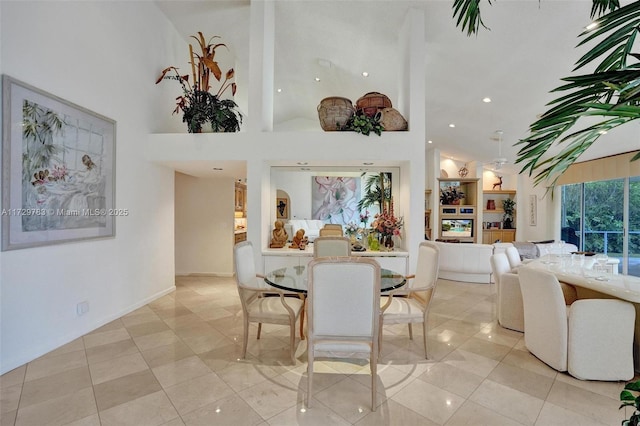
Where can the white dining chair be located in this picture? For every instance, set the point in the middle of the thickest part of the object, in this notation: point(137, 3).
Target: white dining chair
point(331, 230)
point(257, 308)
point(331, 246)
point(343, 307)
point(592, 339)
point(508, 296)
point(410, 304)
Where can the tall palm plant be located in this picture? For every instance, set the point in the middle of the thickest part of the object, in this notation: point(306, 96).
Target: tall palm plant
point(377, 191)
point(611, 92)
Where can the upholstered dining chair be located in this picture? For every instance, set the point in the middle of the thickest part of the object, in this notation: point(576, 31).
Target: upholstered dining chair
point(256, 308)
point(331, 246)
point(331, 229)
point(508, 295)
point(343, 306)
point(514, 257)
point(592, 339)
point(410, 304)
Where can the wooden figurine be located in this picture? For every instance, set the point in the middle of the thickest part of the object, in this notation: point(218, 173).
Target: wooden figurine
point(279, 235)
point(299, 240)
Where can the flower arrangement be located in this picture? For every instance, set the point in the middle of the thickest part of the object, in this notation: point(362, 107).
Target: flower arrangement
point(197, 104)
point(387, 224)
point(450, 195)
point(351, 228)
point(364, 218)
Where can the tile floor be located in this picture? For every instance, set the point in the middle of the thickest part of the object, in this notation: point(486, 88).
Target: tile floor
point(175, 362)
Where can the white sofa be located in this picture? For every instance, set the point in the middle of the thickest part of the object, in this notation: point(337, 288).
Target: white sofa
point(465, 262)
point(543, 249)
point(311, 228)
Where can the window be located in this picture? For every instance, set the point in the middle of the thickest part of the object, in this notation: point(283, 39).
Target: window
point(595, 215)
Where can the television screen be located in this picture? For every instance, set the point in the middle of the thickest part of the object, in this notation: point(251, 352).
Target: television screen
point(457, 228)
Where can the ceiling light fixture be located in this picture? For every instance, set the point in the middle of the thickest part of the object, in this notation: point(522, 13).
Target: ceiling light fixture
point(365, 74)
point(500, 161)
point(279, 90)
point(452, 125)
point(591, 26)
point(368, 164)
point(302, 163)
point(603, 132)
point(429, 141)
point(486, 100)
point(217, 169)
point(317, 79)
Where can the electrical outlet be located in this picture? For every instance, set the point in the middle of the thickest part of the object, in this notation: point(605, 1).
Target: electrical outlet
point(82, 308)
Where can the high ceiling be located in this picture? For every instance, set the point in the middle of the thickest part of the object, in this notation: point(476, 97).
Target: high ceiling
point(529, 47)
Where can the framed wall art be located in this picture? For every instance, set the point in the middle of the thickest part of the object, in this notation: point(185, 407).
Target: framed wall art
point(58, 170)
point(533, 210)
point(282, 208)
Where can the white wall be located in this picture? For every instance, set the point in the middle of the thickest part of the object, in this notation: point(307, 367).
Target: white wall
point(103, 56)
point(204, 225)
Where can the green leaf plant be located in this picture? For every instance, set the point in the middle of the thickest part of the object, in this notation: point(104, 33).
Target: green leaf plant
point(362, 123)
point(628, 399)
point(197, 104)
point(611, 93)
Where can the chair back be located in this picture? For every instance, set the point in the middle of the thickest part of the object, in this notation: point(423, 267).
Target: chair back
point(331, 230)
point(514, 257)
point(545, 317)
point(499, 265)
point(244, 264)
point(343, 298)
point(427, 266)
point(331, 246)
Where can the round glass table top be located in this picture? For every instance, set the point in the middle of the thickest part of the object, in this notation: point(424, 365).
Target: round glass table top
point(294, 278)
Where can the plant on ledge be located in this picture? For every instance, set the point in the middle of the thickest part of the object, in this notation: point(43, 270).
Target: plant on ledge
point(197, 104)
point(629, 400)
point(450, 195)
point(362, 123)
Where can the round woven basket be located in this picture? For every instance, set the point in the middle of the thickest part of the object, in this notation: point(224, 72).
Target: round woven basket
point(334, 112)
point(392, 120)
point(372, 102)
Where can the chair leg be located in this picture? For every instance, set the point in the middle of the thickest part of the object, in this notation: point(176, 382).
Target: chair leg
point(424, 332)
point(259, 330)
point(374, 380)
point(410, 332)
point(302, 313)
point(292, 340)
point(309, 376)
point(245, 338)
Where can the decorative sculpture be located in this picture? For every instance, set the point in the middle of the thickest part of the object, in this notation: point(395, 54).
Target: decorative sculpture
point(498, 184)
point(279, 235)
point(299, 240)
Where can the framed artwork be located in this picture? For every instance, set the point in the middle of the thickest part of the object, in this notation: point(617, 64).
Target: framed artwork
point(282, 208)
point(58, 170)
point(335, 199)
point(533, 210)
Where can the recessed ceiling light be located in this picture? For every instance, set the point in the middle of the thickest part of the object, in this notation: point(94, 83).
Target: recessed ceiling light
point(317, 79)
point(486, 100)
point(603, 132)
point(429, 141)
point(591, 26)
point(302, 163)
point(305, 168)
point(452, 125)
point(279, 90)
point(368, 164)
point(217, 169)
point(365, 74)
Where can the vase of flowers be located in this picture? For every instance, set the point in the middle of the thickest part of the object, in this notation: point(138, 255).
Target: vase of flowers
point(351, 229)
point(198, 105)
point(387, 225)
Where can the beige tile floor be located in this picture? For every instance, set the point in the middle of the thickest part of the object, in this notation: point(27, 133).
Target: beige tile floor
point(175, 362)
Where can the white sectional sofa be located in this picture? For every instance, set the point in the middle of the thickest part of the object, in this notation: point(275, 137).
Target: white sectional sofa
point(311, 228)
point(465, 262)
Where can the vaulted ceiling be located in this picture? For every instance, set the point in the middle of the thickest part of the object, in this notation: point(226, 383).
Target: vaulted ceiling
point(529, 47)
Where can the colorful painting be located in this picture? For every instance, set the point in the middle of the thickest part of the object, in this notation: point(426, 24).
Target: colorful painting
point(335, 199)
point(58, 170)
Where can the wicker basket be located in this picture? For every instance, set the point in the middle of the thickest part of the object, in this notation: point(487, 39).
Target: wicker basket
point(392, 120)
point(372, 102)
point(334, 112)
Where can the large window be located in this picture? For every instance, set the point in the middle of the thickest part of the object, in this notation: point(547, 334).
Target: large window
point(595, 216)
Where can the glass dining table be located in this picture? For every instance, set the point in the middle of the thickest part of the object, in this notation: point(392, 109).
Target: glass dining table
point(294, 278)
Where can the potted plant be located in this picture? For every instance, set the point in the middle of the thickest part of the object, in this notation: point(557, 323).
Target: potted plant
point(362, 123)
point(508, 205)
point(197, 103)
point(628, 399)
point(450, 195)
